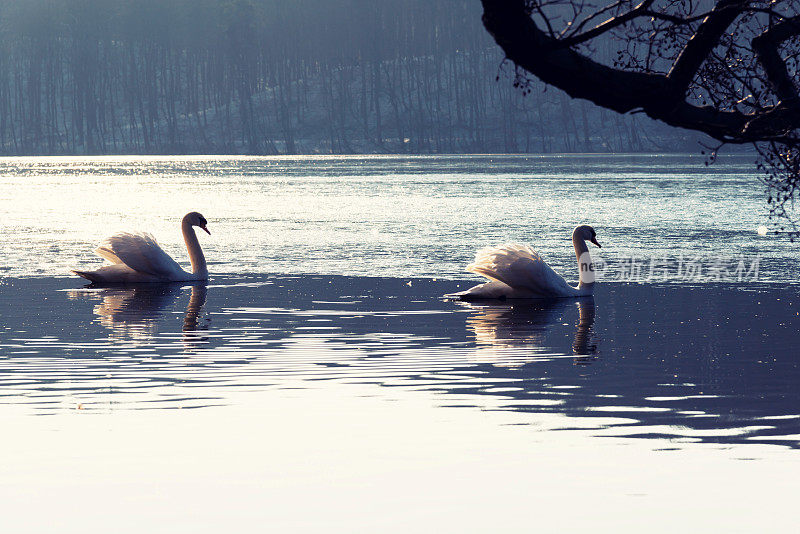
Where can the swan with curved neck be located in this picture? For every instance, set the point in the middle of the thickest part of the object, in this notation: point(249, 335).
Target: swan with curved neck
point(517, 271)
point(137, 258)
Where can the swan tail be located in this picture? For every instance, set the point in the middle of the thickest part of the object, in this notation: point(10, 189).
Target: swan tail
point(489, 290)
point(90, 275)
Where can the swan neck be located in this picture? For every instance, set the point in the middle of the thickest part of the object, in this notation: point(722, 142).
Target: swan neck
point(196, 257)
point(585, 267)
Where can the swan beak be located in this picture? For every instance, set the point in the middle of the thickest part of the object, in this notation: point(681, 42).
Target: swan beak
point(209, 233)
point(594, 240)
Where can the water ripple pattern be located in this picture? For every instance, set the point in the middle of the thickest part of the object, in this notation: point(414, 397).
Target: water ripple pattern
point(386, 215)
point(665, 362)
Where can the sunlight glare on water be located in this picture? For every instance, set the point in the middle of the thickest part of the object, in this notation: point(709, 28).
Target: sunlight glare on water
point(383, 215)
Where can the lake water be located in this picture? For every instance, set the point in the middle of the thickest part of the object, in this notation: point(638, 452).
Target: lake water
point(319, 382)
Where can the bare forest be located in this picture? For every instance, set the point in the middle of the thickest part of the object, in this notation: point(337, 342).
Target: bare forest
point(283, 77)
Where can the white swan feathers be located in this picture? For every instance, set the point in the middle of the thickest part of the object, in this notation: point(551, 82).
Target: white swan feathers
point(517, 271)
point(137, 258)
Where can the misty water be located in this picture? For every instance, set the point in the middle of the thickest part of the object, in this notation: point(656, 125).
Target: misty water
point(319, 381)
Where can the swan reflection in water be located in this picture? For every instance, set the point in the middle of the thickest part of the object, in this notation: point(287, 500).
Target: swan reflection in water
point(502, 330)
point(192, 336)
point(134, 313)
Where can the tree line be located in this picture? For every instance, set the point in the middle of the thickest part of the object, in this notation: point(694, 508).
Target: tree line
point(281, 76)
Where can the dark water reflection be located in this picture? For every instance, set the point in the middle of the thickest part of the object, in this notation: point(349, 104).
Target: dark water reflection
point(527, 323)
point(709, 363)
point(135, 312)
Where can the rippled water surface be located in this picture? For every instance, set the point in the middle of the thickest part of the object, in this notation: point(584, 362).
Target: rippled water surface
point(668, 362)
point(385, 216)
point(319, 381)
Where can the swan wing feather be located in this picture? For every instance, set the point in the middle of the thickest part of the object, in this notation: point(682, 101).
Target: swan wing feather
point(108, 255)
point(521, 268)
point(139, 251)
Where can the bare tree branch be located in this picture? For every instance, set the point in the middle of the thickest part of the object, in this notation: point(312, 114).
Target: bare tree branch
point(607, 25)
point(703, 42)
point(766, 46)
point(730, 71)
point(662, 97)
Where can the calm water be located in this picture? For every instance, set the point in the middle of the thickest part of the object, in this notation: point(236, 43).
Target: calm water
point(319, 381)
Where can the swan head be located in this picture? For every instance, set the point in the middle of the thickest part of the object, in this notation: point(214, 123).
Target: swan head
point(586, 233)
point(195, 219)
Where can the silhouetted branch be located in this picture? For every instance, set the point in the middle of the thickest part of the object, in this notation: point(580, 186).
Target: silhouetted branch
point(611, 23)
point(723, 71)
point(766, 46)
point(704, 40)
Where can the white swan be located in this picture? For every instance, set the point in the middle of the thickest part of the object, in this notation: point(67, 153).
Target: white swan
point(136, 258)
point(517, 271)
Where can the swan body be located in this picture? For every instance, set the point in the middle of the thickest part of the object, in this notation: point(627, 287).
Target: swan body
point(518, 272)
point(137, 258)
